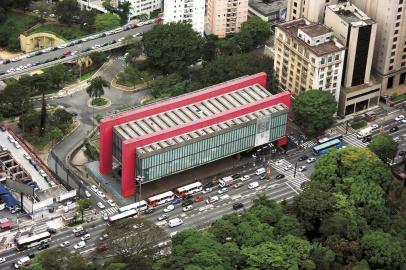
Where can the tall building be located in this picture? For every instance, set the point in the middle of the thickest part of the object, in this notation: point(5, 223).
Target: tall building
point(308, 56)
point(189, 11)
point(273, 12)
point(312, 10)
point(389, 64)
point(139, 7)
point(181, 133)
point(357, 32)
point(225, 16)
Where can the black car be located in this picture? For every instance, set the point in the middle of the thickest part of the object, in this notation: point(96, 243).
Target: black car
point(31, 255)
point(80, 233)
point(3, 128)
point(367, 139)
point(188, 197)
point(52, 230)
point(401, 153)
point(280, 176)
point(7, 61)
point(209, 185)
point(394, 129)
point(236, 176)
point(187, 202)
point(303, 158)
point(238, 205)
point(2, 73)
point(43, 246)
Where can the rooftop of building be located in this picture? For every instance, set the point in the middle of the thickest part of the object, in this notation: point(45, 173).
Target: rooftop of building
point(267, 9)
point(312, 29)
point(196, 111)
point(351, 14)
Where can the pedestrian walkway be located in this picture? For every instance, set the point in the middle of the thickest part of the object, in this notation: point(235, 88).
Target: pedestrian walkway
point(342, 128)
point(40, 228)
point(352, 140)
point(109, 211)
point(308, 144)
point(296, 181)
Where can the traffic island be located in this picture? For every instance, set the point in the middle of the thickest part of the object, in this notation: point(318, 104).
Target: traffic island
point(99, 103)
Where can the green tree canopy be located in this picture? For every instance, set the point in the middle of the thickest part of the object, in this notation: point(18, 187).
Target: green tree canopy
point(314, 110)
point(67, 11)
point(96, 87)
point(172, 47)
point(59, 258)
point(384, 147)
point(106, 21)
point(255, 29)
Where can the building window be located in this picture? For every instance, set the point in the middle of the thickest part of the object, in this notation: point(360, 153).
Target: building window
point(402, 78)
point(390, 83)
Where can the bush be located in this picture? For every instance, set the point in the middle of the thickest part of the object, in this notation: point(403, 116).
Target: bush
point(99, 101)
point(106, 21)
point(359, 124)
point(90, 150)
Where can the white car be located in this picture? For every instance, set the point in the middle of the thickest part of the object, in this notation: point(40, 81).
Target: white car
point(85, 237)
point(245, 177)
point(105, 217)
point(302, 168)
point(2, 147)
point(207, 190)
point(101, 194)
point(223, 190)
point(80, 245)
point(111, 202)
point(279, 162)
point(87, 193)
point(63, 46)
point(27, 156)
point(17, 145)
point(162, 217)
point(65, 244)
point(77, 229)
point(212, 199)
point(287, 168)
point(400, 117)
point(374, 126)
point(101, 205)
point(187, 208)
point(310, 160)
point(2, 260)
point(169, 208)
point(404, 121)
point(94, 188)
point(95, 46)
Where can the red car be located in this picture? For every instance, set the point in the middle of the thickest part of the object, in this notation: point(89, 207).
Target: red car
point(67, 53)
point(199, 198)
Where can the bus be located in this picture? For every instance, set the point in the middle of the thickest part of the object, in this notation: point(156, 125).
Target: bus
point(189, 189)
point(31, 241)
point(160, 199)
point(327, 139)
point(140, 206)
point(123, 215)
point(324, 147)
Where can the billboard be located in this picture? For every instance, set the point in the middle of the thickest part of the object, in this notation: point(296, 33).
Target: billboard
point(263, 133)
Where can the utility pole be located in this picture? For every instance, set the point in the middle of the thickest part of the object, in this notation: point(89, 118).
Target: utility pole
point(294, 174)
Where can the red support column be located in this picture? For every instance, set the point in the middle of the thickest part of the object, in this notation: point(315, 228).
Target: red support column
point(128, 169)
point(105, 147)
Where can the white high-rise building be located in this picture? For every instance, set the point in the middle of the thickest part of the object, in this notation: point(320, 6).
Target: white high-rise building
point(189, 11)
point(139, 7)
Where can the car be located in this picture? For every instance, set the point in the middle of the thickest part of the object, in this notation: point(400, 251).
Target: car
point(80, 233)
point(87, 193)
point(65, 244)
point(238, 205)
point(95, 46)
point(288, 167)
point(198, 198)
point(367, 139)
point(101, 205)
point(3, 128)
point(162, 217)
point(302, 168)
point(212, 199)
point(187, 208)
point(77, 229)
point(85, 237)
point(187, 202)
point(176, 201)
point(394, 129)
point(103, 237)
point(238, 185)
point(43, 246)
point(101, 194)
point(374, 126)
point(62, 46)
point(236, 176)
point(207, 190)
point(401, 153)
point(31, 255)
point(188, 197)
point(80, 245)
point(253, 185)
point(149, 211)
point(3, 148)
point(17, 145)
point(52, 15)
point(105, 217)
point(310, 160)
point(279, 162)
point(2, 260)
point(94, 188)
point(245, 177)
point(304, 157)
point(223, 190)
point(27, 156)
point(169, 208)
point(111, 203)
point(400, 117)
point(136, 35)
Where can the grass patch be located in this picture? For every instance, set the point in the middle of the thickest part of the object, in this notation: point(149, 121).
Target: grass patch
point(359, 124)
point(132, 76)
point(99, 102)
point(39, 142)
point(62, 31)
point(88, 75)
point(398, 97)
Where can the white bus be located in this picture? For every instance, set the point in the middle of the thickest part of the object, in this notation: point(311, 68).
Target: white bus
point(161, 199)
point(141, 206)
point(189, 189)
point(126, 214)
point(26, 242)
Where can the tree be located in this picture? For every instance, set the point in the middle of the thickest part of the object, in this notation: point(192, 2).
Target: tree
point(96, 87)
point(227, 47)
point(67, 11)
point(58, 75)
point(62, 119)
point(83, 204)
point(29, 121)
point(314, 110)
point(87, 19)
point(124, 11)
point(15, 100)
point(61, 259)
point(254, 29)
point(22, 4)
point(134, 52)
point(106, 21)
point(4, 37)
point(98, 58)
point(56, 134)
point(209, 50)
point(246, 42)
point(43, 116)
point(172, 47)
point(384, 147)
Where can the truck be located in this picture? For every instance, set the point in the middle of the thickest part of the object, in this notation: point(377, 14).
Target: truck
point(226, 181)
point(364, 132)
point(24, 261)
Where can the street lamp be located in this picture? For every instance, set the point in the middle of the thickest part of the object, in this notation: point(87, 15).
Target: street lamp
point(139, 179)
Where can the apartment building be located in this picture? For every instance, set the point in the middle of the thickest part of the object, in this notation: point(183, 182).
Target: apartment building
point(189, 11)
point(225, 16)
point(389, 64)
point(312, 10)
point(357, 31)
point(308, 56)
point(139, 7)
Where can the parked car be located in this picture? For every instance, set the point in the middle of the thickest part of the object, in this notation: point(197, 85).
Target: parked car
point(101, 194)
point(400, 117)
point(374, 126)
point(304, 157)
point(149, 211)
point(238, 205)
point(94, 188)
point(65, 244)
point(80, 245)
point(87, 193)
point(111, 203)
point(176, 201)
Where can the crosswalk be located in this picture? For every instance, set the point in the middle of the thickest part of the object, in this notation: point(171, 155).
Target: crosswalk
point(352, 140)
point(342, 128)
point(304, 145)
point(296, 181)
point(109, 211)
point(40, 228)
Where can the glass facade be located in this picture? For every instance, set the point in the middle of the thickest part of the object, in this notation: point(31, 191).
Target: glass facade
point(207, 149)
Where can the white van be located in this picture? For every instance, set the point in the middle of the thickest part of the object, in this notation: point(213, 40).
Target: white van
point(175, 222)
point(253, 185)
point(24, 261)
point(260, 171)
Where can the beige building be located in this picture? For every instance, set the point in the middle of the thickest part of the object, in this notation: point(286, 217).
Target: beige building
point(389, 62)
point(308, 56)
point(38, 41)
point(225, 16)
point(312, 10)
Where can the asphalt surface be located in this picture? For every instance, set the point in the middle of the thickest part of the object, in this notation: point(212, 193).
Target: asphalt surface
point(54, 56)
